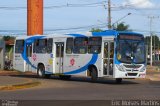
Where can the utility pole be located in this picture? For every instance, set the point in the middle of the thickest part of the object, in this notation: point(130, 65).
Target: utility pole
point(34, 17)
point(109, 15)
point(151, 33)
point(158, 50)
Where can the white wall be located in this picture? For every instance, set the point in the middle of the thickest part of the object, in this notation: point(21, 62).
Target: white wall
point(2, 50)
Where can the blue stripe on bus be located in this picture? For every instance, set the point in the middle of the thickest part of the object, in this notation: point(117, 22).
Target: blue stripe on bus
point(84, 68)
point(105, 33)
point(32, 39)
point(76, 35)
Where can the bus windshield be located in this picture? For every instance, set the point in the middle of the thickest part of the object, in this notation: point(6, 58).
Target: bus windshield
point(131, 49)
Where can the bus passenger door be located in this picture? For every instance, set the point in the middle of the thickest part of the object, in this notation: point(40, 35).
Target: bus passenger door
point(59, 57)
point(107, 58)
point(29, 56)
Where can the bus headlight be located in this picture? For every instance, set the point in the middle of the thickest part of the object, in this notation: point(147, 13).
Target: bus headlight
point(120, 68)
point(143, 69)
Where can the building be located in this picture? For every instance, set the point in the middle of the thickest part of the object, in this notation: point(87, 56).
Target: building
point(9, 46)
point(2, 52)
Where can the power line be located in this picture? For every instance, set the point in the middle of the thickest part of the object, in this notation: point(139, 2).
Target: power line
point(96, 4)
point(12, 8)
point(61, 29)
point(146, 31)
point(131, 6)
point(81, 27)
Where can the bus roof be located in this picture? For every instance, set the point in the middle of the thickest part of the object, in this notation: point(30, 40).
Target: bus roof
point(112, 33)
point(105, 33)
point(129, 32)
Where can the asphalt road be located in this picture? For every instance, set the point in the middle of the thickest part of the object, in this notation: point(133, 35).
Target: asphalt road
point(78, 88)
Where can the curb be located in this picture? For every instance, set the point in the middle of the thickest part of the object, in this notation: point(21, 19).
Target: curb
point(28, 84)
point(8, 73)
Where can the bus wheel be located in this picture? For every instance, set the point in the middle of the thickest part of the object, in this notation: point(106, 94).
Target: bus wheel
point(93, 74)
point(118, 80)
point(48, 76)
point(41, 71)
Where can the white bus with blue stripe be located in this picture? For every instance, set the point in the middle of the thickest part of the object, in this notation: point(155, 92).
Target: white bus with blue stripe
point(109, 54)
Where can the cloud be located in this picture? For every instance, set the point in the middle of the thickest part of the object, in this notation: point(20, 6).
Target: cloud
point(139, 3)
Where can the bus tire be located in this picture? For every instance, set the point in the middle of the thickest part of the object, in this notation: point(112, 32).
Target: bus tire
point(41, 71)
point(47, 76)
point(118, 80)
point(93, 74)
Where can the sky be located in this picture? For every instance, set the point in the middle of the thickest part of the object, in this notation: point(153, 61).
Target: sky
point(76, 16)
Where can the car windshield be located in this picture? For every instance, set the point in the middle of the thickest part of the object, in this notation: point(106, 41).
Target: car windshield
point(131, 51)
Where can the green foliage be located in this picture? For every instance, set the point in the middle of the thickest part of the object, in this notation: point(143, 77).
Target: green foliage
point(155, 41)
point(121, 27)
point(96, 30)
point(7, 38)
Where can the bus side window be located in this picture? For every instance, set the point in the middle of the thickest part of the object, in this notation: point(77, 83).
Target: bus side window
point(80, 45)
point(69, 45)
point(29, 50)
point(111, 49)
point(36, 44)
point(40, 46)
point(19, 47)
point(49, 45)
point(94, 45)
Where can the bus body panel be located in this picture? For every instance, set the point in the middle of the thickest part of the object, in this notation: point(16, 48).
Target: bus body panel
point(19, 63)
point(45, 59)
point(76, 63)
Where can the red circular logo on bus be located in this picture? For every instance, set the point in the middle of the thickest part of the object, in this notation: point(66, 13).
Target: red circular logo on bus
point(72, 62)
point(34, 57)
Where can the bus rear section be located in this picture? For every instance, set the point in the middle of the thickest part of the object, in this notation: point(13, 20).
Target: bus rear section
point(33, 53)
point(18, 61)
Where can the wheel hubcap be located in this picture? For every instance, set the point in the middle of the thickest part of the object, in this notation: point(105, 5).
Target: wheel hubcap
point(40, 73)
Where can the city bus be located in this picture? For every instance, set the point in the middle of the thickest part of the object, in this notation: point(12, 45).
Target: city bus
point(108, 54)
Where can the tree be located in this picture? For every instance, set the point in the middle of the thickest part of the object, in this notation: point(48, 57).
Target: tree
point(121, 27)
point(96, 30)
point(7, 38)
point(155, 41)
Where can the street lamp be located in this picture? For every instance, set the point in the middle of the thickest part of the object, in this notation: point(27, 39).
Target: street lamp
point(120, 19)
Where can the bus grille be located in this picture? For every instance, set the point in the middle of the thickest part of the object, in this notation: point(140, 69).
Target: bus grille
point(132, 70)
point(132, 74)
point(132, 66)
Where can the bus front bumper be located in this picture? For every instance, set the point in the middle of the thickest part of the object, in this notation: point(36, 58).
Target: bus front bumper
point(131, 75)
